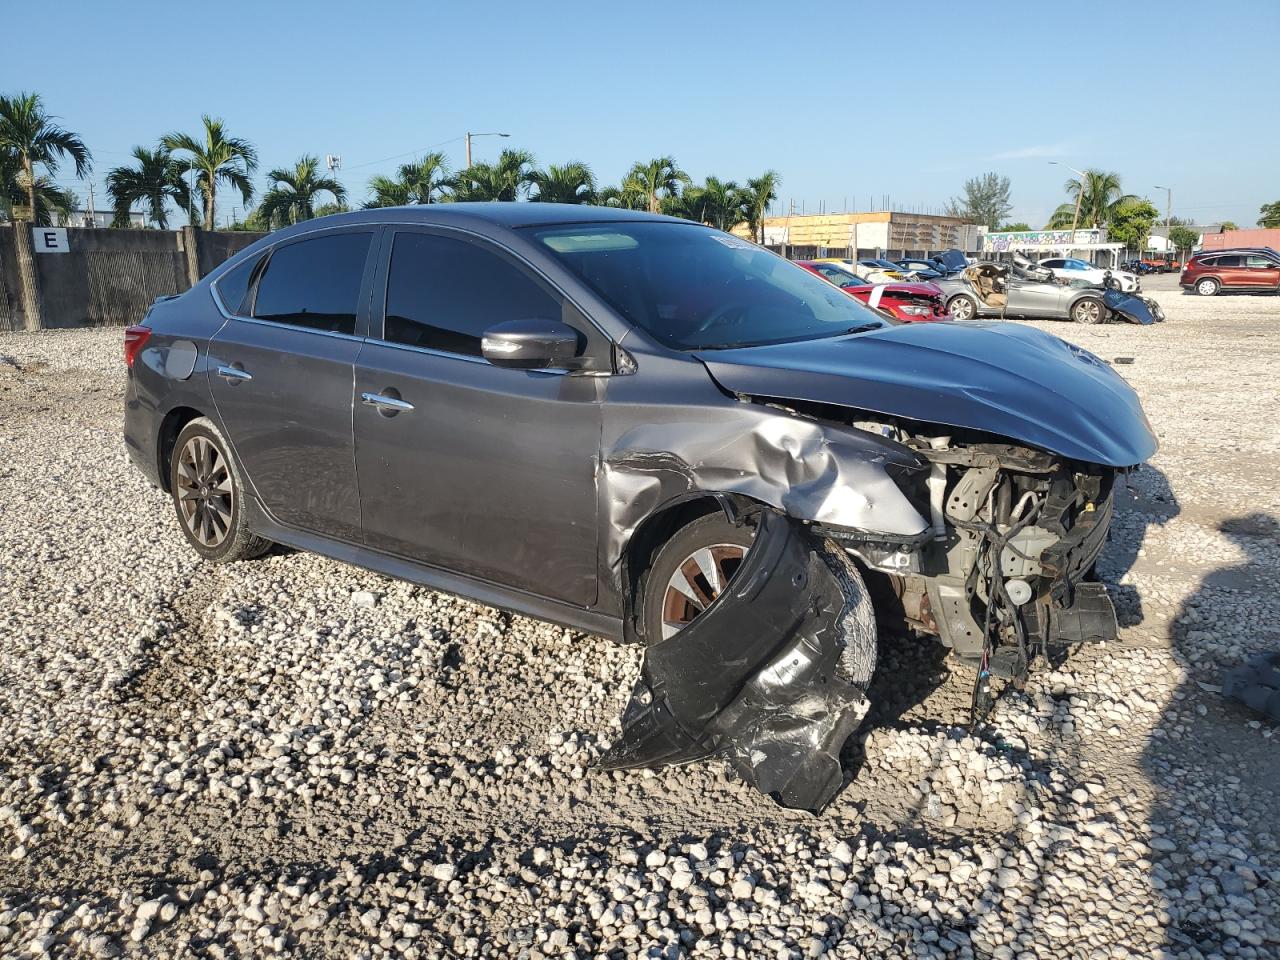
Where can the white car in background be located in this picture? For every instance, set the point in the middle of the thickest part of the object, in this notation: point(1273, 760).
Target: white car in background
point(1068, 268)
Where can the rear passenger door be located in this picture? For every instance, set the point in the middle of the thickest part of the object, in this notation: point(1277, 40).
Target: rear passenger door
point(281, 373)
point(1230, 269)
point(481, 470)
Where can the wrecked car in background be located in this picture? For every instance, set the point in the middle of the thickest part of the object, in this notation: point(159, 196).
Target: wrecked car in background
point(909, 302)
point(644, 428)
point(1021, 288)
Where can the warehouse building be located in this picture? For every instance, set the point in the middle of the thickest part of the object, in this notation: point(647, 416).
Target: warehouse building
point(880, 233)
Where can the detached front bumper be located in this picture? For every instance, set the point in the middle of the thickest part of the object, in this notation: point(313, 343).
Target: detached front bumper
point(772, 677)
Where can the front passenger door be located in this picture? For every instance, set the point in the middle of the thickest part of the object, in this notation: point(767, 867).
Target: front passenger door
point(1263, 271)
point(473, 468)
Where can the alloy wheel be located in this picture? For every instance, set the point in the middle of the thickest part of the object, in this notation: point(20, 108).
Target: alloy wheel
point(204, 491)
point(697, 582)
point(1088, 311)
point(961, 308)
point(1207, 287)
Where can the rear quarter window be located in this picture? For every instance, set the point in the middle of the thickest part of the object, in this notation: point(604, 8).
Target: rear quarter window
point(233, 285)
point(314, 283)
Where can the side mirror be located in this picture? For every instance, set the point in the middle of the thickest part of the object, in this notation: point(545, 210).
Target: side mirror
point(534, 344)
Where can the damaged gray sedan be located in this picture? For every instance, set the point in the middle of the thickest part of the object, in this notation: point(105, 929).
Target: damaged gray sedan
point(647, 429)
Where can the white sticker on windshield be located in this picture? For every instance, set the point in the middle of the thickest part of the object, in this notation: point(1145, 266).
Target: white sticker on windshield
point(731, 241)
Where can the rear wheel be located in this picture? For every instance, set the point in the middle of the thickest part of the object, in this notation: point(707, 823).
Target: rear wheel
point(1208, 287)
point(1087, 310)
point(207, 496)
point(693, 568)
point(962, 307)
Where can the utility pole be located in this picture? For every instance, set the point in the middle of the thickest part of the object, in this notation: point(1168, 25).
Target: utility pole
point(1075, 220)
point(1168, 216)
point(92, 221)
point(470, 135)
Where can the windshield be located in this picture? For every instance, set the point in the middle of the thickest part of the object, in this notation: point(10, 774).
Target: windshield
point(841, 276)
point(693, 288)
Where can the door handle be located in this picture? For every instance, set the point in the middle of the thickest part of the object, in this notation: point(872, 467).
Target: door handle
point(234, 374)
point(385, 403)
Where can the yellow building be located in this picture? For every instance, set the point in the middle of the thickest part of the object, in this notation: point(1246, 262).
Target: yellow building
point(879, 233)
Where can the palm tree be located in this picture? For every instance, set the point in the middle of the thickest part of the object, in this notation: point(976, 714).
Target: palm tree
point(1102, 196)
point(31, 137)
point(507, 179)
point(48, 195)
point(690, 203)
point(724, 205)
point(421, 181)
point(156, 179)
point(219, 159)
point(758, 194)
point(571, 183)
point(627, 196)
point(292, 197)
point(658, 178)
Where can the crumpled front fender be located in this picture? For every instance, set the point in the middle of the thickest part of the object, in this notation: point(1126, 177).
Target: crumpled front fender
point(772, 677)
point(820, 472)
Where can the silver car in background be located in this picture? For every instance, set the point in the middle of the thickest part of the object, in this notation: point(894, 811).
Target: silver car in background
point(1020, 288)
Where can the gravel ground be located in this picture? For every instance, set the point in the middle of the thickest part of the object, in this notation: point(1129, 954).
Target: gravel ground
point(291, 756)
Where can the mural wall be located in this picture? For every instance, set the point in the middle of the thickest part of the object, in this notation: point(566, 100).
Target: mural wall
point(1004, 242)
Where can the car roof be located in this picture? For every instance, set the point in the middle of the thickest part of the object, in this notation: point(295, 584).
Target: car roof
point(501, 214)
point(1210, 253)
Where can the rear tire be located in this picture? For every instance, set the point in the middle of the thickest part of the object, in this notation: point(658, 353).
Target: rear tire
point(962, 307)
point(700, 553)
point(1088, 310)
point(1208, 287)
point(208, 494)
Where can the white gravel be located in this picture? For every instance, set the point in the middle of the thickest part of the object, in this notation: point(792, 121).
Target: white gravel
point(295, 757)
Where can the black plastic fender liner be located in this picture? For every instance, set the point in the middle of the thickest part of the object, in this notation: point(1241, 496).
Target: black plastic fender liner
point(772, 677)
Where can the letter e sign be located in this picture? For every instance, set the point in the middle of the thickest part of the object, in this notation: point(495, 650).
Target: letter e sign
point(50, 240)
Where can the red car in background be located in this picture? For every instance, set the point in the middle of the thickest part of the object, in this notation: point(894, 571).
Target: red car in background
point(908, 302)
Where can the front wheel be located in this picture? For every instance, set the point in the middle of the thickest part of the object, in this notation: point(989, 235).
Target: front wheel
point(962, 308)
point(1087, 310)
point(207, 496)
point(689, 572)
point(1208, 287)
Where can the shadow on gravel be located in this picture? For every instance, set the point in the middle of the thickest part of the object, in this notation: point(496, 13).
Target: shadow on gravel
point(908, 672)
point(1216, 781)
point(1144, 500)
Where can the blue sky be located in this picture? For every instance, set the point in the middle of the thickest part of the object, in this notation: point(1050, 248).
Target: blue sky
point(849, 102)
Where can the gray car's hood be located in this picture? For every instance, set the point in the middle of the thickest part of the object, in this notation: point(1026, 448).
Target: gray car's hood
point(1001, 378)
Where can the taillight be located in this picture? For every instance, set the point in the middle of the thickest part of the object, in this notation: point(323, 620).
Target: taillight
point(135, 338)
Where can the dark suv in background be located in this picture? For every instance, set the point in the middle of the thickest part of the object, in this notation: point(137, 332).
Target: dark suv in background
point(1246, 269)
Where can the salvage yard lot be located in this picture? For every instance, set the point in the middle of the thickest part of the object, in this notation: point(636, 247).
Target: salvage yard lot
point(295, 756)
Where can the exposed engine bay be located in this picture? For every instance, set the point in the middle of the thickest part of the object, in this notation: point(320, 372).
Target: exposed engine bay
point(773, 676)
point(1012, 540)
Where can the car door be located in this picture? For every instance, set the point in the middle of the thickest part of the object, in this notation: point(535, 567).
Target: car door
point(1231, 270)
point(1263, 271)
point(478, 469)
point(281, 372)
point(1030, 298)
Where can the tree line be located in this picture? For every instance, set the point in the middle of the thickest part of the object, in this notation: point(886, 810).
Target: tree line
point(190, 170)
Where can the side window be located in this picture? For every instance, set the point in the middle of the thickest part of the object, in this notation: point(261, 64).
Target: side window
point(314, 283)
point(234, 284)
point(1227, 261)
point(443, 293)
point(1260, 263)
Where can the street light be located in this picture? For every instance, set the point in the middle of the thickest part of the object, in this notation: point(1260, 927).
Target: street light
point(1075, 220)
point(1168, 209)
point(470, 135)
